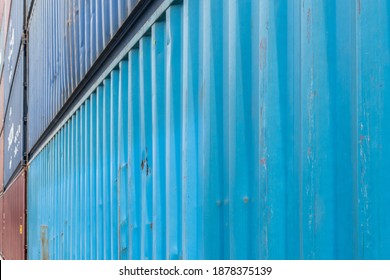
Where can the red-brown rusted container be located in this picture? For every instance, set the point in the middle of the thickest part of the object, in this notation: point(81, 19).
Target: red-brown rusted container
point(1, 135)
point(1, 224)
point(14, 219)
point(1, 163)
point(2, 104)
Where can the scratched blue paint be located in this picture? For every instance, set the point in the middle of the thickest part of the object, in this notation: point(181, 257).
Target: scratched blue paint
point(234, 129)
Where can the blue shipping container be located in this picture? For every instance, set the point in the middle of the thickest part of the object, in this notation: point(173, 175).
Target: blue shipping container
point(13, 45)
point(4, 18)
point(13, 125)
point(236, 129)
point(65, 38)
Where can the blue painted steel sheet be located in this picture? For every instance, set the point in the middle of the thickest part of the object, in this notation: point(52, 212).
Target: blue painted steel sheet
point(13, 44)
point(13, 125)
point(235, 129)
point(4, 18)
point(73, 34)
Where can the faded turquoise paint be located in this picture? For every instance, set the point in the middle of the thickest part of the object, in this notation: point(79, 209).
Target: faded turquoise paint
point(134, 162)
point(123, 192)
point(159, 142)
point(234, 129)
point(373, 65)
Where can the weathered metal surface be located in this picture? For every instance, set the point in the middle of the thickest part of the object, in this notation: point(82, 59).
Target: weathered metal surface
point(74, 33)
point(1, 162)
point(13, 44)
point(14, 220)
point(1, 135)
point(235, 129)
point(5, 10)
point(1, 103)
point(1, 222)
point(13, 125)
point(44, 243)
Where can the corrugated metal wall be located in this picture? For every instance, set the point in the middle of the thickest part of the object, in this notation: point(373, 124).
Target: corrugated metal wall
point(231, 130)
point(6, 5)
point(1, 103)
point(13, 45)
point(74, 33)
point(1, 222)
point(1, 162)
point(12, 244)
point(13, 124)
point(14, 220)
point(1, 135)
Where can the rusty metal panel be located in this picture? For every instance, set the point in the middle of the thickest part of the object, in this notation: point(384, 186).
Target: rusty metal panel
point(2, 108)
point(1, 135)
point(1, 222)
point(236, 129)
point(1, 162)
point(14, 216)
point(44, 243)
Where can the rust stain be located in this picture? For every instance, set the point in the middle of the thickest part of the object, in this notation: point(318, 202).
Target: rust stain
point(359, 6)
point(145, 165)
point(44, 243)
point(364, 138)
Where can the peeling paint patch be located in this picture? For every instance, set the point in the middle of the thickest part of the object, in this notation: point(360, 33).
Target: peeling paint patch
point(11, 137)
point(359, 7)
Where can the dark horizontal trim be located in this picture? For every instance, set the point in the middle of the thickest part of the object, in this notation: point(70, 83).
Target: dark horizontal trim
point(14, 175)
point(133, 23)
